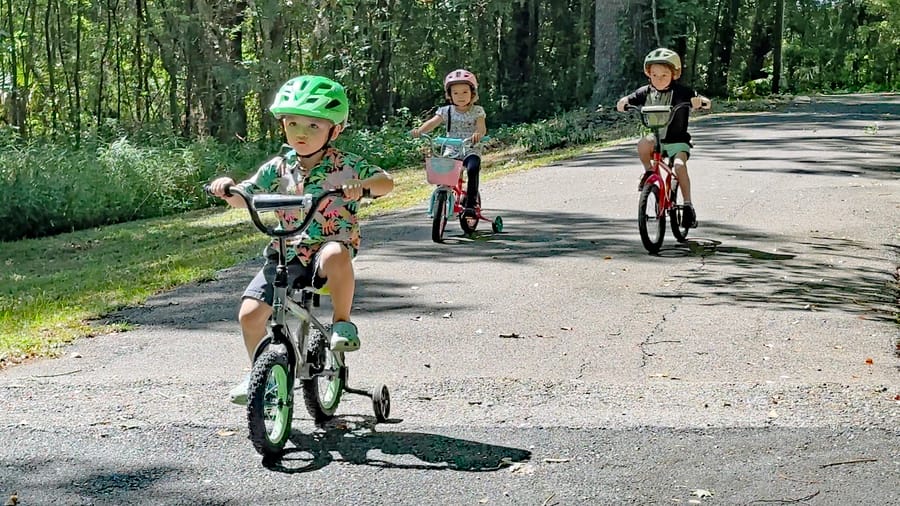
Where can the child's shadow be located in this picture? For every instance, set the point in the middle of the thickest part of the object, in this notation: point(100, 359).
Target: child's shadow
point(353, 439)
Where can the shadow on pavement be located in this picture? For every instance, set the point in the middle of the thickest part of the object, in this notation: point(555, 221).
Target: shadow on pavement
point(356, 441)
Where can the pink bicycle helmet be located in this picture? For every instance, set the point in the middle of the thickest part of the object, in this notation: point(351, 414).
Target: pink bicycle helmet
point(460, 76)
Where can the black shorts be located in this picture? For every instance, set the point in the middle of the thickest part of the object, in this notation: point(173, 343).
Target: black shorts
point(299, 276)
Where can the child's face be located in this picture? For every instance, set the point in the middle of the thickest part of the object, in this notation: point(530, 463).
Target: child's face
point(460, 94)
point(660, 76)
point(307, 135)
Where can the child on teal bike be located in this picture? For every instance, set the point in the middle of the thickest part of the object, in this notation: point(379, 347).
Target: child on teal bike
point(663, 67)
point(312, 112)
point(464, 120)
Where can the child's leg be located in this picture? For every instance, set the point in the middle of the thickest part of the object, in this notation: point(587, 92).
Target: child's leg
point(334, 264)
point(253, 316)
point(473, 170)
point(645, 150)
point(684, 181)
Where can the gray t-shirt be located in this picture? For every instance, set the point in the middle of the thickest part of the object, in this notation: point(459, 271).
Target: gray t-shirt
point(462, 124)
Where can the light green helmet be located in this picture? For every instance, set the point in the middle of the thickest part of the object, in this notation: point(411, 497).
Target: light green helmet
point(665, 57)
point(313, 96)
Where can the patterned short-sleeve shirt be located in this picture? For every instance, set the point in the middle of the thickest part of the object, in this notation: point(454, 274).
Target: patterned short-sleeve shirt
point(335, 218)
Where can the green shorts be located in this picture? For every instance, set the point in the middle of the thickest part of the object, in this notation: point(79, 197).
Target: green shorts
point(675, 148)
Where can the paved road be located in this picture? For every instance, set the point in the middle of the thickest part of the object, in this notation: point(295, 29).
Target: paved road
point(756, 364)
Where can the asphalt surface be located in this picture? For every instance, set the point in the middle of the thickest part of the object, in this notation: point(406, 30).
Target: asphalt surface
point(554, 363)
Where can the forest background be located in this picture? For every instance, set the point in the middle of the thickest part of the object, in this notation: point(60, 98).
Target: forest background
point(99, 98)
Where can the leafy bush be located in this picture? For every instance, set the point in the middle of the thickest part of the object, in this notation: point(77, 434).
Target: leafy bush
point(48, 189)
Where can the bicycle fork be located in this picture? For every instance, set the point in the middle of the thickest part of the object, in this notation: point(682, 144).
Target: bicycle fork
point(450, 201)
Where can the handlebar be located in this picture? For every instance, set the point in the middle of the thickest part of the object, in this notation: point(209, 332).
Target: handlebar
point(453, 142)
point(275, 202)
point(651, 109)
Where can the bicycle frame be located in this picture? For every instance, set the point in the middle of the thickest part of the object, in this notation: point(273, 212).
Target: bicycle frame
point(663, 173)
point(282, 302)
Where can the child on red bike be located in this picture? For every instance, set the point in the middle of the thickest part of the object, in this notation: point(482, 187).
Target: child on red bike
point(464, 120)
point(312, 111)
point(663, 67)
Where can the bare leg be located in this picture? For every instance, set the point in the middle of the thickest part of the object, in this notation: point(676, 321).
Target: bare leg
point(253, 316)
point(645, 150)
point(335, 265)
point(684, 181)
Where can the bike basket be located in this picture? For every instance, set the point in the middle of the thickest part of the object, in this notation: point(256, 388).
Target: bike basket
point(443, 171)
point(656, 116)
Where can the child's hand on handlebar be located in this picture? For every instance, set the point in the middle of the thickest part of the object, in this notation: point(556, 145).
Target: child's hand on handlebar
point(218, 187)
point(700, 102)
point(415, 132)
point(476, 137)
point(353, 189)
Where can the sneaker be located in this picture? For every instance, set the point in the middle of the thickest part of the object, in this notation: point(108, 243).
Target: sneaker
point(238, 394)
point(688, 216)
point(344, 337)
point(644, 179)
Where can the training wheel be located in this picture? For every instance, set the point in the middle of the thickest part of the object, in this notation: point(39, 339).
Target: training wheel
point(381, 403)
point(497, 225)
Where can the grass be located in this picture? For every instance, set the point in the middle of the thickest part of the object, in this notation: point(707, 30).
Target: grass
point(54, 290)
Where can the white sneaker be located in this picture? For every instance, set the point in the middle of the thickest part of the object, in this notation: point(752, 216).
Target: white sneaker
point(238, 394)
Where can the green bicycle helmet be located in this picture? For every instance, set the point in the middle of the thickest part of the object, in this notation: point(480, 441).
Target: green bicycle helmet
point(313, 96)
point(665, 57)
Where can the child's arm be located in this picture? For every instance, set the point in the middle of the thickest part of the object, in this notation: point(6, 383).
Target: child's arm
point(217, 188)
point(698, 101)
point(379, 184)
point(428, 125)
point(620, 105)
point(480, 129)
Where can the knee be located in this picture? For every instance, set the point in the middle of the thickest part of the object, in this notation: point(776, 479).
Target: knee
point(645, 147)
point(334, 258)
point(473, 164)
point(253, 313)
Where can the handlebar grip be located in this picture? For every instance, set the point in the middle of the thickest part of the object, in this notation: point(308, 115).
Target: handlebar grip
point(208, 189)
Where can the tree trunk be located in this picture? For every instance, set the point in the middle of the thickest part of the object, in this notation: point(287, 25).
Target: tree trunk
point(721, 48)
point(521, 53)
point(779, 36)
point(760, 41)
point(380, 78)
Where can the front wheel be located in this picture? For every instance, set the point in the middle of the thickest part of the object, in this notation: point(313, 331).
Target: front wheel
point(439, 220)
point(651, 221)
point(270, 402)
point(322, 392)
point(676, 215)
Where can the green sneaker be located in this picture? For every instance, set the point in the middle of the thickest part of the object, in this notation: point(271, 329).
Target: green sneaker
point(344, 337)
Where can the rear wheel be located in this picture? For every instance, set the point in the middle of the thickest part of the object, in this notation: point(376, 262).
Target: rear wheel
point(676, 215)
point(651, 222)
point(439, 222)
point(322, 392)
point(270, 402)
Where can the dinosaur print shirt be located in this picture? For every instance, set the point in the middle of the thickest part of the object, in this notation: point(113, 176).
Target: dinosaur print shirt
point(335, 218)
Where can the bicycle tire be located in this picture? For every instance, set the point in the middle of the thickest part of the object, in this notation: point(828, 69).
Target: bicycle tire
point(676, 215)
point(651, 220)
point(322, 392)
point(270, 402)
point(439, 220)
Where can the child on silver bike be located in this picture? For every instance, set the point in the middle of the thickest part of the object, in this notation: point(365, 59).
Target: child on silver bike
point(312, 111)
